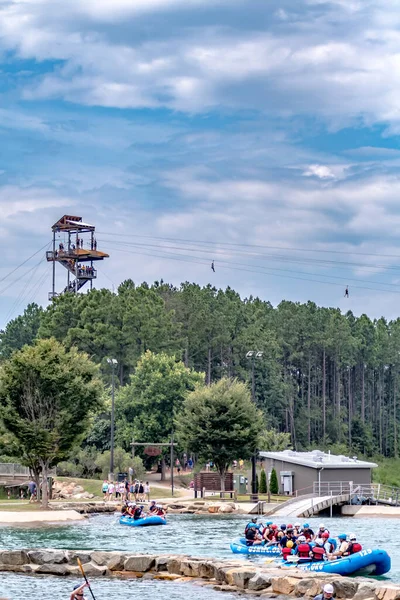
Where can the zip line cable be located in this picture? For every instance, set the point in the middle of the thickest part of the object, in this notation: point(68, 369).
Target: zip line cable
point(25, 261)
point(24, 291)
point(321, 262)
point(343, 278)
point(177, 240)
point(187, 259)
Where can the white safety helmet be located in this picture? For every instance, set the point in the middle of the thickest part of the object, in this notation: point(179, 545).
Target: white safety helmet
point(328, 588)
point(297, 525)
point(321, 526)
point(352, 537)
point(301, 538)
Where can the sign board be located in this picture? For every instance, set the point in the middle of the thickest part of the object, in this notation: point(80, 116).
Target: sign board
point(152, 451)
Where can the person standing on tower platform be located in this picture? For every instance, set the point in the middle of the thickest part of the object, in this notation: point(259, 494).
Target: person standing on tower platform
point(95, 244)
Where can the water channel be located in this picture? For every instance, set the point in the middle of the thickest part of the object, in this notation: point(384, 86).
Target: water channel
point(197, 535)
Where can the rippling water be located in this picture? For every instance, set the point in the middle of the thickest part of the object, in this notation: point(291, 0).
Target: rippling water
point(21, 587)
point(197, 535)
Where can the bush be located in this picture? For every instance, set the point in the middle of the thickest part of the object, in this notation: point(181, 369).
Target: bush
point(273, 484)
point(263, 482)
point(68, 468)
point(122, 462)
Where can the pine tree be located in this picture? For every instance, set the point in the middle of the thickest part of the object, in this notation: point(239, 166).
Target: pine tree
point(273, 484)
point(263, 482)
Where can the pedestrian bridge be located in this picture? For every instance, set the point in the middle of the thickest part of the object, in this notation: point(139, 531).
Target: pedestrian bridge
point(325, 496)
point(309, 506)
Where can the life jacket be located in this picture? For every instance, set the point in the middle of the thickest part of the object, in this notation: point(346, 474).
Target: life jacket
point(271, 536)
point(318, 553)
point(303, 550)
point(286, 552)
point(353, 548)
point(250, 534)
point(138, 513)
point(160, 512)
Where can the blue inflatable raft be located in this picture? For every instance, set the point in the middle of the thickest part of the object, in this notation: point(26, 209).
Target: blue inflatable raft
point(238, 546)
point(366, 562)
point(145, 522)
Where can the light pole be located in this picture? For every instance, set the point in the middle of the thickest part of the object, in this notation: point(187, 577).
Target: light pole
point(113, 362)
point(254, 355)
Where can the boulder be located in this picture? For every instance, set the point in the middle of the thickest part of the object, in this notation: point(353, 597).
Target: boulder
point(240, 576)
point(161, 563)
point(174, 566)
point(226, 508)
point(283, 585)
point(365, 591)
point(260, 581)
point(100, 558)
point(214, 508)
point(83, 556)
point(345, 587)
point(388, 592)
point(41, 557)
point(139, 563)
point(94, 570)
point(190, 568)
point(14, 557)
point(53, 569)
point(307, 587)
point(207, 570)
point(116, 563)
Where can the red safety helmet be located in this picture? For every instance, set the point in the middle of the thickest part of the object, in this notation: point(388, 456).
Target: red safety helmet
point(274, 526)
point(325, 534)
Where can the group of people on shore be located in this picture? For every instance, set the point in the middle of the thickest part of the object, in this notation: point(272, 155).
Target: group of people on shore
point(125, 491)
point(301, 541)
point(132, 509)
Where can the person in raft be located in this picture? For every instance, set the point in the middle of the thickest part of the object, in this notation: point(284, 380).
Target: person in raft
point(77, 593)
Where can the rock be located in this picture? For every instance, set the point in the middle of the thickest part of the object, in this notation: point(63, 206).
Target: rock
point(94, 570)
point(365, 591)
point(388, 592)
point(240, 576)
point(207, 570)
point(100, 558)
point(259, 581)
point(139, 563)
point(72, 557)
point(116, 563)
point(14, 557)
point(345, 587)
point(174, 566)
point(213, 509)
point(190, 568)
point(283, 585)
point(41, 557)
point(161, 563)
point(50, 569)
point(226, 508)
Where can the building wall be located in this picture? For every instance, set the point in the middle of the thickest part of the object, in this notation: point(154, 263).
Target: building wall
point(304, 477)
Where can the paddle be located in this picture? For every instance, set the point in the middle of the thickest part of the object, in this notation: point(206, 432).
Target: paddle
point(85, 578)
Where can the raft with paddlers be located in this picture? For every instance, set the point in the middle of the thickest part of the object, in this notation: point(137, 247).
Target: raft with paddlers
point(143, 522)
point(366, 562)
point(239, 546)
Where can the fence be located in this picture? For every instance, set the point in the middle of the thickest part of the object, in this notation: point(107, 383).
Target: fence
point(14, 470)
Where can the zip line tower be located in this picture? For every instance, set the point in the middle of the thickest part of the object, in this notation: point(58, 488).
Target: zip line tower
point(75, 249)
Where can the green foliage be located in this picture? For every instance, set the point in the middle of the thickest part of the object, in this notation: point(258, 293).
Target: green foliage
point(20, 331)
point(387, 472)
point(273, 441)
point(46, 397)
point(147, 406)
point(219, 423)
point(328, 379)
point(273, 484)
point(122, 462)
point(263, 482)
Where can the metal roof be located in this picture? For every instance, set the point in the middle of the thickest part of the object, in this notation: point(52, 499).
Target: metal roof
point(317, 459)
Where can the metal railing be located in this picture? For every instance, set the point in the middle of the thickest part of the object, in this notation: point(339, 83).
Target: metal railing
point(13, 470)
point(333, 488)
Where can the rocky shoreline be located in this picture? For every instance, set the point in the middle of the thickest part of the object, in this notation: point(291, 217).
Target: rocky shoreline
point(224, 575)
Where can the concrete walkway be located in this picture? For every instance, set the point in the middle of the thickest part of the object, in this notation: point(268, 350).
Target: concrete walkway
point(299, 508)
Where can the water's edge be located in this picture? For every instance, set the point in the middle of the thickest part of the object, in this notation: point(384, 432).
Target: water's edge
point(225, 575)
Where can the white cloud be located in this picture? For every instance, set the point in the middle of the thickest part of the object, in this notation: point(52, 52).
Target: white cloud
point(321, 171)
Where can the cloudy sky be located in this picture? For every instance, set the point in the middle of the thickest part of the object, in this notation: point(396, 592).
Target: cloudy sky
point(261, 135)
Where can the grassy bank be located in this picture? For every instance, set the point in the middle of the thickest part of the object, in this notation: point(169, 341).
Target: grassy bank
point(388, 471)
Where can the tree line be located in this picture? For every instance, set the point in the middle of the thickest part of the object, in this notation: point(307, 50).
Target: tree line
point(328, 379)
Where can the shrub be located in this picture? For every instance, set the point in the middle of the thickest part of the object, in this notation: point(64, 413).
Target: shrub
point(263, 482)
point(273, 484)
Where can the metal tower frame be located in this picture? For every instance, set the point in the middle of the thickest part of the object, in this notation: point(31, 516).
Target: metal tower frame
point(77, 256)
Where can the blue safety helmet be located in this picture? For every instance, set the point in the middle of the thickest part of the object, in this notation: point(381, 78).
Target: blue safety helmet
point(269, 523)
point(342, 536)
point(283, 527)
point(306, 525)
